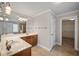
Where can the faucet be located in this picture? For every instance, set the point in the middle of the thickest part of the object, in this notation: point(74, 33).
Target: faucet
point(8, 44)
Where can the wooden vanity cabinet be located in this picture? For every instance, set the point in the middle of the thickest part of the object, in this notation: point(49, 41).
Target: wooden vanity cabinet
point(31, 39)
point(34, 39)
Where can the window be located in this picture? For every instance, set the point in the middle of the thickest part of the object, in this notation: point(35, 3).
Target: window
point(15, 28)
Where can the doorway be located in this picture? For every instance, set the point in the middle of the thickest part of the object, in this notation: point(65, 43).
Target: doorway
point(68, 33)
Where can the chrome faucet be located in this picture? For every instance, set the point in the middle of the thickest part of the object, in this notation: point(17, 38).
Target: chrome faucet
point(8, 44)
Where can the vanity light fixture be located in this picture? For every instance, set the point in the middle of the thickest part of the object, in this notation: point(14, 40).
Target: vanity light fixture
point(8, 10)
point(6, 19)
point(71, 19)
point(5, 8)
point(22, 19)
point(1, 18)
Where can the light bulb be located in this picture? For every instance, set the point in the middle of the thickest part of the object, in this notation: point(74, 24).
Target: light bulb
point(8, 10)
point(22, 19)
point(6, 19)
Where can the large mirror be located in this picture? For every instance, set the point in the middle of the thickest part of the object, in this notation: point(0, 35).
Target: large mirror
point(12, 25)
point(11, 21)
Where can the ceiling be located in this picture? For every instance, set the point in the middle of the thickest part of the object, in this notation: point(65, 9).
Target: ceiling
point(32, 8)
point(29, 8)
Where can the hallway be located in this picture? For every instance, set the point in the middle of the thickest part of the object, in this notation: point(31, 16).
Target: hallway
point(68, 42)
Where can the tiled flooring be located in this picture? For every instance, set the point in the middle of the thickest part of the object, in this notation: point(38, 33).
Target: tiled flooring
point(57, 51)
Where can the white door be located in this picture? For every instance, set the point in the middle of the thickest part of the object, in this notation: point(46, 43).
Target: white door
point(52, 31)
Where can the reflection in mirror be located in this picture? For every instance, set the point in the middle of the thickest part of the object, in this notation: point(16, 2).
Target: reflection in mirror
point(12, 26)
point(15, 28)
point(22, 27)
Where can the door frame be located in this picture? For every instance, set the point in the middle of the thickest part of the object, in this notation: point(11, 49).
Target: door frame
point(75, 32)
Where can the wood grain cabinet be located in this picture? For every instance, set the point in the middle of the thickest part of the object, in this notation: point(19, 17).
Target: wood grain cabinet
point(31, 39)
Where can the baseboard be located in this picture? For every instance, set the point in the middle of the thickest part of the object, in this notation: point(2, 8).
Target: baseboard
point(44, 47)
point(58, 43)
point(76, 49)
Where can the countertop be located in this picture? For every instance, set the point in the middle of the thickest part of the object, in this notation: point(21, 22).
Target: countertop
point(17, 45)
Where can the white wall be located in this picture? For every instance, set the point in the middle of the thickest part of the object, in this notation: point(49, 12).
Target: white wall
point(43, 29)
point(41, 25)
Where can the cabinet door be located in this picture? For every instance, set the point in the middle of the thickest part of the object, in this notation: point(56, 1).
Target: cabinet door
point(34, 40)
point(31, 39)
point(28, 39)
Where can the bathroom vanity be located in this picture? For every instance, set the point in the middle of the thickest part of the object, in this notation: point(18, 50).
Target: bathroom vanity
point(21, 46)
point(32, 39)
